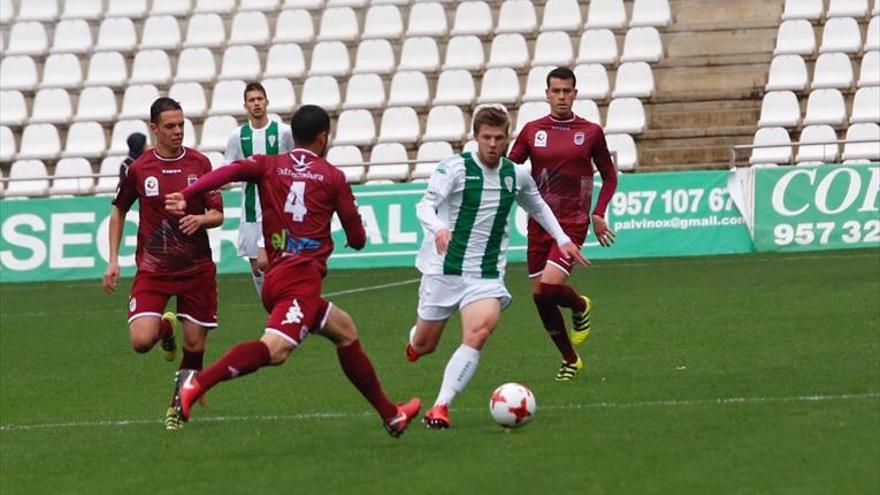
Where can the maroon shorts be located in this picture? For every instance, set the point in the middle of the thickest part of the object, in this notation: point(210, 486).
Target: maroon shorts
point(542, 249)
point(292, 296)
point(196, 296)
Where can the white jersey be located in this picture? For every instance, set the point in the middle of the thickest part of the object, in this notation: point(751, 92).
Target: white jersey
point(273, 139)
point(474, 202)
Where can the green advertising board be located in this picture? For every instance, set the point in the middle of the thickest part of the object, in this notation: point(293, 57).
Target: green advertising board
point(817, 207)
point(657, 214)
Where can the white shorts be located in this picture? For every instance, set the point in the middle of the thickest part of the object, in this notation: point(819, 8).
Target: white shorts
point(441, 295)
point(250, 239)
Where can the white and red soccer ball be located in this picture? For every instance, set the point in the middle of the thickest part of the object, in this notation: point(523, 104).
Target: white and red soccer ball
point(512, 405)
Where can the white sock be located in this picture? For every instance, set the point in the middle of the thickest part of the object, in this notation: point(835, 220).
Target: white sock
point(459, 371)
point(258, 283)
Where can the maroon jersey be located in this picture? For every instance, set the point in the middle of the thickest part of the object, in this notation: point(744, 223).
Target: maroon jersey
point(299, 192)
point(562, 154)
point(162, 248)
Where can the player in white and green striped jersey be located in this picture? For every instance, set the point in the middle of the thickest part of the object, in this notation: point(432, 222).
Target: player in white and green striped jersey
point(465, 212)
point(259, 136)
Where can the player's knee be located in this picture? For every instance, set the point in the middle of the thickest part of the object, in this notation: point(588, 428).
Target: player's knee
point(140, 344)
point(478, 334)
point(279, 355)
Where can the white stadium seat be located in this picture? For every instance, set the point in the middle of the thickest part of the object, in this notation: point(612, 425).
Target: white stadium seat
point(428, 156)
point(322, 91)
point(530, 111)
point(832, 70)
point(107, 69)
point(592, 81)
point(364, 91)
point(136, 101)
point(38, 10)
point(847, 8)
point(866, 106)
point(561, 15)
point(261, 5)
point(374, 56)
point(117, 34)
point(650, 13)
point(348, 155)
point(634, 79)
point(876, 9)
point(205, 30)
point(872, 37)
point(249, 28)
point(509, 50)
point(472, 18)
point(642, 44)
point(7, 12)
point(779, 108)
point(150, 67)
point(214, 6)
point(215, 132)
point(132, 9)
point(69, 178)
point(399, 124)
point(15, 111)
point(536, 83)
point(96, 103)
point(338, 24)
point(162, 32)
point(355, 127)
point(869, 74)
point(625, 115)
point(121, 130)
point(841, 34)
point(18, 72)
point(388, 162)
point(597, 46)
point(90, 10)
point(281, 96)
point(517, 16)
point(285, 60)
point(795, 36)
point(383, 21)
point(499, 85)
point(191, 97)
point(624, 148)
point(606, 14)
point(189, 133)
point(455, 87)
point(588, 110)
point(817, 144)
point(227, 98)
point(803, 9)
point(240, 62)
point(409, 88)
point(787, 72)
point(553, 48)
point(779, 151)
point(427, 19)
point(419, 53)
point(109, 171)
point(62, 70)
point(195, 65)
point(294, 26)
point(464, 52)
point(445, 123)
point(864, 150)
point(330, 58)
point(51, 106)
point(72, 36)
point(39, 141)
point(178, 8)
point(8, 148)
point(825, 106)
point(28, 169)
point(28, 38)
point(347, 3)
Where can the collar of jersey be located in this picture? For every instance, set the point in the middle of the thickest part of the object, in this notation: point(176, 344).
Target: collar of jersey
point(573, 116)
point(183, 152)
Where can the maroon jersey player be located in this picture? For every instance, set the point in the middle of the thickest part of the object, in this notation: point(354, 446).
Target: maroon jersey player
point(173, 255)
point(562, 148)
point(299, 193)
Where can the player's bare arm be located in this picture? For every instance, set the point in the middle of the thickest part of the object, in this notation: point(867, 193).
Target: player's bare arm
point(190, 224)
point(175, 204)
point(111, 275)
point(604, 234)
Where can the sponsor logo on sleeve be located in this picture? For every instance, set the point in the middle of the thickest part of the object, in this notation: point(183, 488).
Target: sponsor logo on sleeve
point(579, 138)
point(151, 186)
point(541, 139)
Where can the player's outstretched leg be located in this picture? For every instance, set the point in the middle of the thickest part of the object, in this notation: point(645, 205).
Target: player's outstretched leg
point(405, 414)
point(554, 325)
point(563, 295)
point(168, 326)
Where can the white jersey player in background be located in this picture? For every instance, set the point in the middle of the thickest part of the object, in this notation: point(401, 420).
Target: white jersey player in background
point(464, 213)
point(259, 136)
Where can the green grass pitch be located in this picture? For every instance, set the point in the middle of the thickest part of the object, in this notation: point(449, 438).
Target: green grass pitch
point(733, 374)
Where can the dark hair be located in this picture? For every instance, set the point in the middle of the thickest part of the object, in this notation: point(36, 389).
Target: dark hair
point(562, 73)
point(491, 116)
point(163, 104)
point(254, 86)
point(307, 123)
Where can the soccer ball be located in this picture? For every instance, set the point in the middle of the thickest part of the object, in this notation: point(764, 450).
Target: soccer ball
point(512, 405)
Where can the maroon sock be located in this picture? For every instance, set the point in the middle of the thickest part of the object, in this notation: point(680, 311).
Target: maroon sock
point(239, 361)
point(165, 329)
point(551, 317)
point(192, 360)
point(360, 373)
point(563, 295)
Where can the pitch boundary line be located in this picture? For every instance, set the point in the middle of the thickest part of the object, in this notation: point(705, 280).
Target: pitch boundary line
point(553, 407)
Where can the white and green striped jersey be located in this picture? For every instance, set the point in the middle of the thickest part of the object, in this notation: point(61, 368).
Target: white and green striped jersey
point(474, 201)
point(273, 139)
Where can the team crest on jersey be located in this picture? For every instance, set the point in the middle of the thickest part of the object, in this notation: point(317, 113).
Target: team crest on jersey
point(579, 138)
point(132, 305)
point(151, 186)
point(272, 139)
point(541, 139)
point(191, 179)
point(508, 183)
